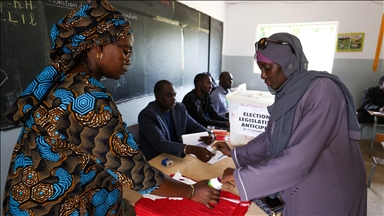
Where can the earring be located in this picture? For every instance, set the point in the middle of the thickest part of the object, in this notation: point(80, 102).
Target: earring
point(99, 55)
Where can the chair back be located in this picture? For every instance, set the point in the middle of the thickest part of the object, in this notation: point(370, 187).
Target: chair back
point(134, 129)
point(379, 137)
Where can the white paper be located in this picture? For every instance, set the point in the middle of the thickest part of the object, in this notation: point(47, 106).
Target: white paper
point(193, 139)
point(179, 177)
point(218, 156)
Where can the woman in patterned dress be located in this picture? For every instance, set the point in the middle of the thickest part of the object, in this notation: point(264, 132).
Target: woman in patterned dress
point(74, 152)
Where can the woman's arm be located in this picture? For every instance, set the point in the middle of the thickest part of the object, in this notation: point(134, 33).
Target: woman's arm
point(199, 192)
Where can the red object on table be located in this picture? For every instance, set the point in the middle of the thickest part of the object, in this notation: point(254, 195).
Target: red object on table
point(220, 134)
point(167, 207)
point(186, 207)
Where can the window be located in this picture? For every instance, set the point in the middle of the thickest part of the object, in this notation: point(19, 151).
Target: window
point(318, 41)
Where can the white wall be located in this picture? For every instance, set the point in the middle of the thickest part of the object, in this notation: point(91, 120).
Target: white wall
point(353, 68)
point(353, 16)
point(215, 9)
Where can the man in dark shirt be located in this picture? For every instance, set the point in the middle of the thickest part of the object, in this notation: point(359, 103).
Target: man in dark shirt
point(199, 105)
point(162, 123)
point(373, 99)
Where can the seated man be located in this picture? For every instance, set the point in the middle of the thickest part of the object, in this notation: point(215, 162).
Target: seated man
point(219, 101)
point(373, 99)
point(199, 105)
point(162, 123)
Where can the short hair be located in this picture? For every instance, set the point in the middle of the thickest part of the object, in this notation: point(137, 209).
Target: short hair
point(160, 85)
point(381, 80)
point(199, 78)
point(222, 74)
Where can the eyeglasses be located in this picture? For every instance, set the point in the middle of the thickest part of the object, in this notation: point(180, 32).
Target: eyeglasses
point(126, 49)
point(263, 42)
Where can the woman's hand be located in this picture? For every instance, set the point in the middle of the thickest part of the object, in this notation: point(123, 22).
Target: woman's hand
point(228, 178)
point(202, 192)
point(223, 147)
point(205, 194)
point(200, 152)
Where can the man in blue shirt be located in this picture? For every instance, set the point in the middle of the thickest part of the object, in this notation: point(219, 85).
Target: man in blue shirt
point(218, 99)
point(162, 123)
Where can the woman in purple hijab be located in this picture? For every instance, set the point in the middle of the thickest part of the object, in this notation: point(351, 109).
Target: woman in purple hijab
point(309, 152)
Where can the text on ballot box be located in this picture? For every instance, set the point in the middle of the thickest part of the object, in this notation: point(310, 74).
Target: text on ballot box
point(252, 120)
point(248, 114)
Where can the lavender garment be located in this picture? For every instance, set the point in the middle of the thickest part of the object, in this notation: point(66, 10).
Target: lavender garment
point(294, 66)
point(320, 171)
point(219, 101)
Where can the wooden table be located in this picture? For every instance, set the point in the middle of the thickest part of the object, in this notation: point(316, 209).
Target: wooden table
point(376, 115)
point(195, 169)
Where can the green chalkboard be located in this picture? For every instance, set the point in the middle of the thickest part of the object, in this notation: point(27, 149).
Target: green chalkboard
point(172, 41)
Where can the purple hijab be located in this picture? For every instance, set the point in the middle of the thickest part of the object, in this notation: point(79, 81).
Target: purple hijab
point(294, 66)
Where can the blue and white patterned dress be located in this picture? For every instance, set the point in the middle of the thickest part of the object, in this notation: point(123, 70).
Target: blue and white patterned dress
point(74, 153)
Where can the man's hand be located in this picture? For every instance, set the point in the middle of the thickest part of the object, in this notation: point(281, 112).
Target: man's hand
point(200, 152)
point(207, 139)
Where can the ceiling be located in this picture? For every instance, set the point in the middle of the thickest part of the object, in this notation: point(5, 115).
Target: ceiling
point(237, 2)
point(257, 2)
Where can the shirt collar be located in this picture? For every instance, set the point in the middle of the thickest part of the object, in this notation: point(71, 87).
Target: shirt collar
point(224, 91)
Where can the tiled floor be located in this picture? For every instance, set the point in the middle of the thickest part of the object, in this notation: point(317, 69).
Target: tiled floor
point(376, 191)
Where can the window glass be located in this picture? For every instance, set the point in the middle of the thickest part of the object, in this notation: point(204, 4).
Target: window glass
point(318, 41)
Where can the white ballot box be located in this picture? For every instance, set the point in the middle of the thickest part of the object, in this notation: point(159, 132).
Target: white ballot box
point(248, 114)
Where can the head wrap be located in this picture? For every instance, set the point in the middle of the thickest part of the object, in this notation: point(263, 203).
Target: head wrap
point(294, 66)
point(93, 24)
point(261, 57)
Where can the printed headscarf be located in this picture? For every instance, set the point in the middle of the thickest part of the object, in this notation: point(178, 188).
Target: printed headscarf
point(294, 66)
point(93, 24)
